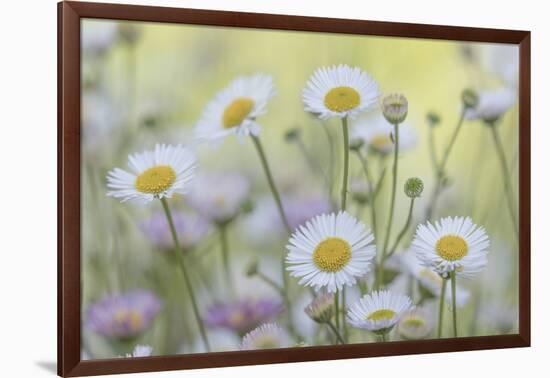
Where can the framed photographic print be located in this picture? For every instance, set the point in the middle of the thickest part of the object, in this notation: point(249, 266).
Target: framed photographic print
point(240, 188)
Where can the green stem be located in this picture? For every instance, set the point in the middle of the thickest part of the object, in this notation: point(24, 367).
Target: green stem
point(225, 257)
point(285, 293)
point(312, 163)
point(337, 309)
point(453, 289)
point(380, 278)
point(179, 257)
point(403, 231)
point(506, 176)
point(441, 307)
point(372, 195)
point(331, 157)
point(440, 171)
point(433, 155)
point(336, 333)
point(271, 283)
point(344, 323)
point(271, 182)
point(384, 337)
point(344, 192)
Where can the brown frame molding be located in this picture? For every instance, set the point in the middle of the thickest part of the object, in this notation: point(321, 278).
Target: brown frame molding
point(69, 15)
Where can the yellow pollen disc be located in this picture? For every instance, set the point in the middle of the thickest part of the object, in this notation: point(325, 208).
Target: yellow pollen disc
point(237, 111)
point(340, 99)
point(266, 342)
point(414, 322)
point(132, 318)
point(156, 180)
point(332, 254)
point(381, 141)
point(451, 247)
point(382, 314)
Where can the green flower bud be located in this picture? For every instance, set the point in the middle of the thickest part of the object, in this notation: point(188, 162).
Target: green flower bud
point(414, 187)
point(292, 134)
point(356, 144)
point(252, 268)
point(470, 98)
point(433, 118)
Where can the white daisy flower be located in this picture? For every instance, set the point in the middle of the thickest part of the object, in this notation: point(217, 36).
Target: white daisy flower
point(431, 281)
point(154, 174)
point(377, 134)
point(379, 311)
point(266, 336)
point(416, 324)
point(492, 104)
point(141, 351)
point(340, 91)
point(234, 109)
point(452, 244)
point(331, 250)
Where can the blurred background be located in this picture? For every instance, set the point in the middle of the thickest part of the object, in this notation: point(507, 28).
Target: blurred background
point(146, 83)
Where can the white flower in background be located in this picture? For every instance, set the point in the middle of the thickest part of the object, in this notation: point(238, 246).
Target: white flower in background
point(379, 311)
point(234, 109)
point(331, 250)
point(340, 91)
point(219, 196)
point(452, 244)
point(154, 174)
point(266, 336)
point(141, 351)
point(414, 325)
point(97, 36)
point(430, 280)
point(492, 104)
point(503, 60)
point(377, 134)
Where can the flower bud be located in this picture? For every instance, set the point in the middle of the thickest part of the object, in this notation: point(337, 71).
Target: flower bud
point(414, 187)
point(433, 119)
point(356, 144)
point(321, 308)
point(395, 108)
point(470, 98)
point(292, 134)
point(252, 268)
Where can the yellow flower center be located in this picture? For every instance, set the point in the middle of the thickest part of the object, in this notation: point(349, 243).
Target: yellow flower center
point(156, 180)
point(451, 247)
point(381, 314)
point(266, 342)
point(332, 254)
point(414, 322)
point(381, 141)
point(340, 99)
point(237, 111)
point(131, 318)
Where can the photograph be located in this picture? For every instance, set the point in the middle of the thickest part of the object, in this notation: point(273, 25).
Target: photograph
point(249, 189)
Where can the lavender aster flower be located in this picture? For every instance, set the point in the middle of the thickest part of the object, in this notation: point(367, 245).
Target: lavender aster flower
point(300, 210)
point(219, 196)
point(191, 230)
point(123, 316)
point(243, 315)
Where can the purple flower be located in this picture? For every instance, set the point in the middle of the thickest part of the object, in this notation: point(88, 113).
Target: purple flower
point(299, 210)
point(123, 316)
point(191, 230)
point(244, 315)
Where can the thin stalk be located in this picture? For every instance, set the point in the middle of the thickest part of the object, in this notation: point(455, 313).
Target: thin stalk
point(441, 168)
point(344, 192)
point(344, 324)
point(331, 157)
point(271, 283)
point(433, 155)
point(453, 289)
point(337, 310)
point(384, 337)
point(372, 193)
point(286, 298)
point(441, 307)
point(380, 278)
point(404, 230)
point(312, 163)
point(336, 333)
point(271, 182)
point(222, 228)
point(506, 176)
point(179, 257)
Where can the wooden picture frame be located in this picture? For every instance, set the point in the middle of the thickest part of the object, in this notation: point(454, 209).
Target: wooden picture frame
point(69, 311)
